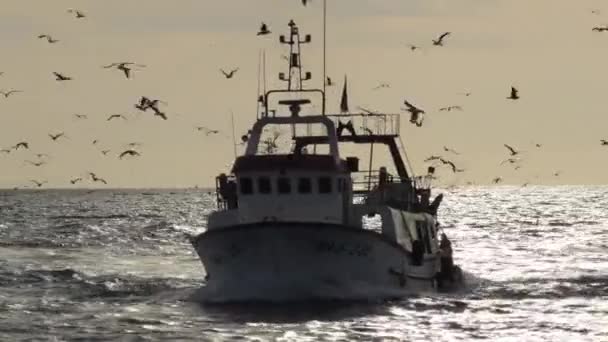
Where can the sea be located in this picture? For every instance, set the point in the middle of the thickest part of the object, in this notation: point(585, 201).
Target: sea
point(117, 265)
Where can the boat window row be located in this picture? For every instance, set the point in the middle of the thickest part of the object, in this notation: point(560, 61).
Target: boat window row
point(286, 185)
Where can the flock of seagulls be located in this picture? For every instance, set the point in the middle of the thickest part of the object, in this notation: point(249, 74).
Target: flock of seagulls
point(146, 104)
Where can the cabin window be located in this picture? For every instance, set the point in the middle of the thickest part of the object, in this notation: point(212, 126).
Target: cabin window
point(264, 186)
point(304, 186)
point(324, 185)
point(283, 185)
point(246, 185)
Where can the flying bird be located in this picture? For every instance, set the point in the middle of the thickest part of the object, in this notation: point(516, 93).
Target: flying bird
point(229, 75)
point(512, 151)
point(105, 152)
point(57, 136)
point(38, 184)
point(115, 116)
point(329, 82)
point(439, 41)
point(8, 93)
point(207, 130)
point(80, 116)
point(447, 149)
point(21, 144)
point(129, 153)
point(5, 150)
point(38, 163)
point(60, 77)
point(123, 66)
point(497, 180)
point(263, 30)
point(600, 28)
point(431, 158)
point(450, 108)
point(48, 38)
point(382, 85)
point(305, 2)
point(413, 47)
point(510, 161)
point(451, 164)
point(41, 155)
point(514, 94)
point(75, 180)
point(415, 113)
point(97, 179)
point(604, 142)
point(78, 13)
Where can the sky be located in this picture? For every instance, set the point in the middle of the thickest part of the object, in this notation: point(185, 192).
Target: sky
point(545, 48)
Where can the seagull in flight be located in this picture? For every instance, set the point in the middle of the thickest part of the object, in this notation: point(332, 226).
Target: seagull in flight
point(57, 136)
point(600, 28)
point(60, 77)
point(75, 180)
point(415, 113)
point(382, 85)
point(48, 38)
point(512, 151)
point(413, 47)
point(229, 75)
point(514, 94)
point(80, 116)
point(305, 2)
point(38, 184)
point(329, 82)
point(105, 152)
point(439, 41)
point(497, 180)
point(263, 30)
point(38, 163)
point(451, 164)
point(123, 66)
point(115, 116)
point(78, 13)
point(450, 108)
point(5, 150)
point(21, 144)
point(8, 93)
point(447, 149)
point(207, 130)
point(97, 179)
point(431, 158)
point(604, 142)
point(129, 153)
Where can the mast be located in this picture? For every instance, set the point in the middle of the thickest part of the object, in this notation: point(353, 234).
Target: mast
point(295, 79)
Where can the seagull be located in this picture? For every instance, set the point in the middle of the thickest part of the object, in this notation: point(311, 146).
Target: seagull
point(115, 116)
point(39, 163)
point(382, 85)
point(450, 108)
point(413, 47)
point(510, 161)
point(75, 180)
point(445, 148)
point(229, 75)
point(21, 144)
point(57, 136)
point(600, 29)
point(557, 173)
point(80, 116)
point(604, 142)
point(514, 94)
point(133, 144)
point(60, 77)
point(41, 155)
point(497, 180)
point(123, 67)
point(130, 153)
point(439, 41)
point(48, 38)
point(95, 141)
point(305, 2)
point(207, 130)
point(263, 30)
point(452, 165)
point(415, 113)
point(511, 150)
point(97, 179)
point(5, 150)
point(38, 184)
point(468, 93)
point(8, 93)
point(329, 82)
point(105, 152)
point(431, 158)
point(78, 13)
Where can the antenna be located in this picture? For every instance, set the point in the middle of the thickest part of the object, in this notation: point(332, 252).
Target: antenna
point(324, 52)
point(233, 134)
point(294, 79)
point(257, 108)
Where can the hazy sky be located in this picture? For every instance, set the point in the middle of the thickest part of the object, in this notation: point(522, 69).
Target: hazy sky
point(543, 47)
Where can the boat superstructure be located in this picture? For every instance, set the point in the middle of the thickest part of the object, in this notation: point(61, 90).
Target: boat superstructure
point(296, 225)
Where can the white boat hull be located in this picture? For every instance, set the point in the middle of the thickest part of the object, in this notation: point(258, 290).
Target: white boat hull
point(299, 261)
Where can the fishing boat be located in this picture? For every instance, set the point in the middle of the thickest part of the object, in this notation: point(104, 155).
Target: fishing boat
point(307, 223)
